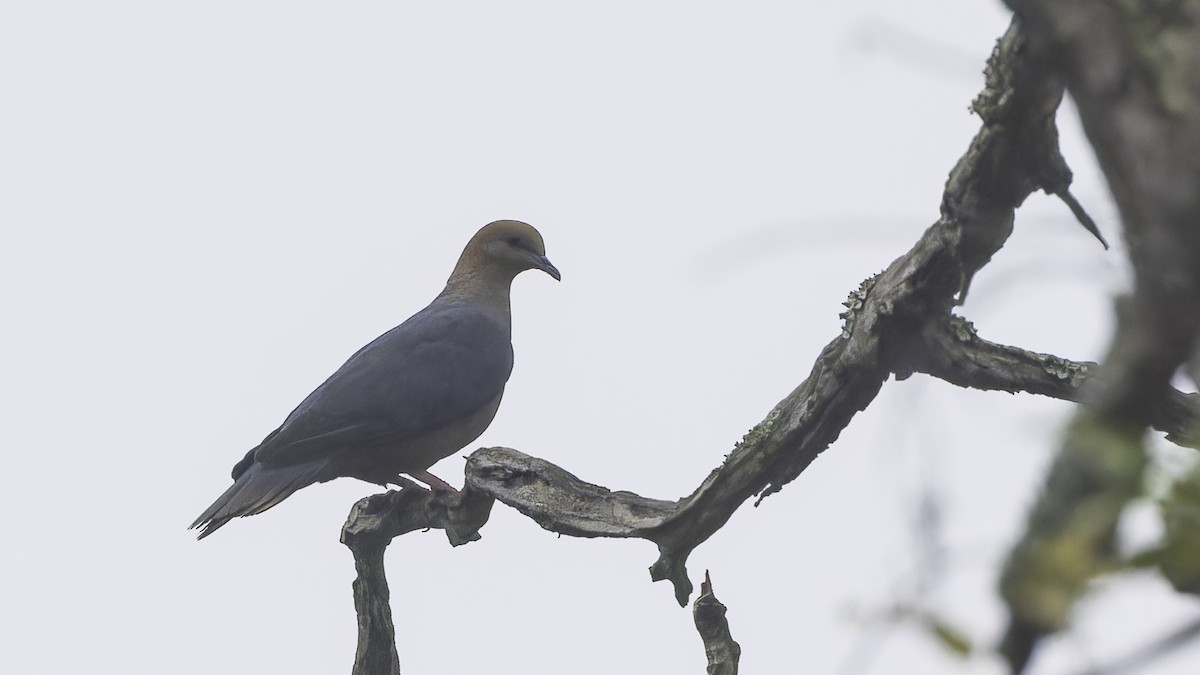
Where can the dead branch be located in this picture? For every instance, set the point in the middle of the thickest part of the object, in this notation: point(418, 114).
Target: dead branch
point(898, 322)
point(720, 648)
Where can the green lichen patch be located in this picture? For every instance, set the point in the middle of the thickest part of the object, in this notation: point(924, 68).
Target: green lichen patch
point(1071, 372)
point(964, 331)
point(855, 302)
point(759, 432)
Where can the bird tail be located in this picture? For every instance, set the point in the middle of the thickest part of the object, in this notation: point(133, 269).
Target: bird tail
point(257, 489)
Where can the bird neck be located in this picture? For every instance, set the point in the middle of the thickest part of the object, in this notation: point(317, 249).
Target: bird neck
point(488, 287)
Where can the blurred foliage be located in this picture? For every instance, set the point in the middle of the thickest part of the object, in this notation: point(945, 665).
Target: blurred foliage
point(1179, 557)
point(953, 639)
point(1070, 537)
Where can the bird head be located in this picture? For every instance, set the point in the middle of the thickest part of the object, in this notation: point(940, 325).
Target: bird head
point(509, 246)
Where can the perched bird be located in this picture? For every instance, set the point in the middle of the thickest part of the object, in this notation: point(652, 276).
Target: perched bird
point(416, 394)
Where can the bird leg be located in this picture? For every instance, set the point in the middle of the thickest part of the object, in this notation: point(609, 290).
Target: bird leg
point(433, 481)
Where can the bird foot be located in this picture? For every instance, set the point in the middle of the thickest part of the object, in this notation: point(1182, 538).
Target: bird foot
point(436, 484)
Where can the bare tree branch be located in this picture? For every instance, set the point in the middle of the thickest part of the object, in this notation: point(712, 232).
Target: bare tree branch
point(720, 648)
point(955, 353)
point(898, 322)
point(1081, 215)
point(1015, 153)
point(1134, 71)
point(373, 523)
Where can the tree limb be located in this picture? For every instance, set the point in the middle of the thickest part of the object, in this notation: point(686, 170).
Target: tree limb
point(897, 322)
point(1015, 153)
point(372, 524)
point(954, 352)
point(720, 648)
point(1133, 68)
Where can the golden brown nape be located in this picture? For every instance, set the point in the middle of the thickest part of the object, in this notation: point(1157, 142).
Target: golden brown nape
point(504, 248)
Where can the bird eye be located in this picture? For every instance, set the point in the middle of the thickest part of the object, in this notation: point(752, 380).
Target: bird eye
point(515, 241)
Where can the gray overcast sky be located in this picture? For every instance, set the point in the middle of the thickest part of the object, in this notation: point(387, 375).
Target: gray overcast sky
point(206, 207)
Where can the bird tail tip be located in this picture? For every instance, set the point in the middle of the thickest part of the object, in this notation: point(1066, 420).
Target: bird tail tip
point(255, 490)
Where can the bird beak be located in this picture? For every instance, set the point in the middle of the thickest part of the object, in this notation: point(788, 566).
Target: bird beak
point(543, 263)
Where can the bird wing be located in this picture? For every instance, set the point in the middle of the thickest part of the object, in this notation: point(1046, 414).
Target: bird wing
point(439, 366)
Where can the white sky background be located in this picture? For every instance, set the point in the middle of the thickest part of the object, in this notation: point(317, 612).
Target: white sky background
point(206, 207)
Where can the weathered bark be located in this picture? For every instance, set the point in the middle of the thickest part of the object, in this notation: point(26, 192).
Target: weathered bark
point(376, 653)
point(372, 524)
point(722, 651)
point(955, 353)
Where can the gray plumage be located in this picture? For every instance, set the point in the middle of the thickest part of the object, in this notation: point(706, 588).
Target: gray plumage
point(414, 395)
